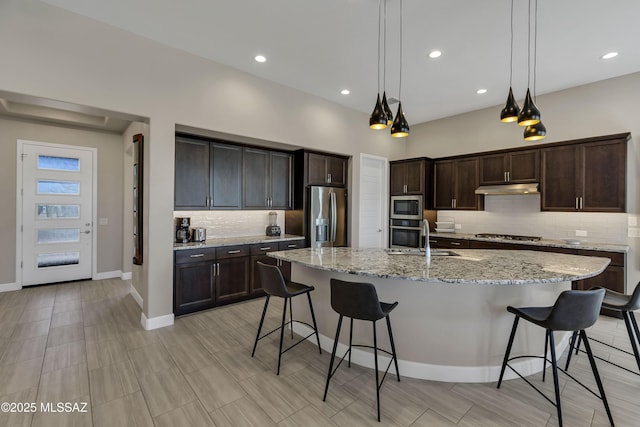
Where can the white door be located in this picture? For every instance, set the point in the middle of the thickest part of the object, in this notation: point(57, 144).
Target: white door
point(57, 214)
point(373, 202)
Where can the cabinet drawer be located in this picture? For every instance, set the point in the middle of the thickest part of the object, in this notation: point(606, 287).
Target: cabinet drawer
point(437, 242)
point(616, 258)
point(195, 255)
point(291, 244)
point(260, 248)
point(232, 251)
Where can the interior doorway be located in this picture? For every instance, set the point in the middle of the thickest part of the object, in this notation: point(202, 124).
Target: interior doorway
point(372, 224)
point(56, 210)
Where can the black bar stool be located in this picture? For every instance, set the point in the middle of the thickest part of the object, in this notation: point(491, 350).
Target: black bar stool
point(360, 301)
point(275, 286)
point(626, 305)
point(572, 311)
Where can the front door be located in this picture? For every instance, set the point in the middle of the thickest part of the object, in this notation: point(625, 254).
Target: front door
point(57, 212)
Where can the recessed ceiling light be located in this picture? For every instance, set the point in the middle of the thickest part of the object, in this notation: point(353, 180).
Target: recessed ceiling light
point(260, 58)
point(609, 55)
point(435, 54)
point(481, 91)
point(345, 91)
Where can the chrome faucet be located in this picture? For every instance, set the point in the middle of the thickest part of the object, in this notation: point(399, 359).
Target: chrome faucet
point(427, 248)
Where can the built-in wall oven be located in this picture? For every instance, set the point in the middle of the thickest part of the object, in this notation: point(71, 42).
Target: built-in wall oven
point(406, 221)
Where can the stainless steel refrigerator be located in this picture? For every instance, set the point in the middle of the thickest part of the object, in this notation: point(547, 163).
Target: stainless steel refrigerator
point(327, 216)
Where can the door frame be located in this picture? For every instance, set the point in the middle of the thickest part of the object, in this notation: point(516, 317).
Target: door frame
point(94, 203)
point(384, 193)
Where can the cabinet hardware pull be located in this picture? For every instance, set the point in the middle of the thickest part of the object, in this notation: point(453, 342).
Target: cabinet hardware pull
point(196, 256)
point(266, 248)
point(508, 176)
point(433, 241)
point(217, 269)
point(455, 243)
point(577, 205)
point(581, 203)
point(234, 252)
point(292, 246)
point(505, 177)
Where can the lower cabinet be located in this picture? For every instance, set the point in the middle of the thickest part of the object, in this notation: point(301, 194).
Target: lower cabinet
point(446, 243)
point(205, 278)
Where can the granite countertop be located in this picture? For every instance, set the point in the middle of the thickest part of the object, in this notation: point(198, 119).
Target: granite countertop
point(231, 241)
point(591, 246)
point(471, 266)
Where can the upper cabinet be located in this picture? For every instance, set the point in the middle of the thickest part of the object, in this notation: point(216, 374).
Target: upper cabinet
point(516, 167)
point(407, 177)
point(455, 183)
point(325, 169)
point(588, 177)
point(267, 182)
point(214, 175)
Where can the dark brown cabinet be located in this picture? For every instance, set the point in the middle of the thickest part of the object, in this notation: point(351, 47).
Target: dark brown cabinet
point(232, 275)
point(588, 177)
point(194, 280)
point(510, 168)
point(455, 184)
point(207, 175)
point(191, 175)
point(258, 253)
point(408, 177)
point(448, 243)
point(325, 169)
point(267, 179)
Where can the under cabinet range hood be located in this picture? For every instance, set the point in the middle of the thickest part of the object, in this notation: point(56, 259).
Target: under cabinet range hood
point(508, 189)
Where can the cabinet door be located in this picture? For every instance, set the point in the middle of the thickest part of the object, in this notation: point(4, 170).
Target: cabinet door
point(317, 169)
point(443, 184)
point(232, 281)
point(446, 243)
point(524, 166)
point(337, 170)
point(493, 169)
point(415, 177)
point(191, 175)
point(256, 179)
point(226, 176)
point(604, 176)
point(193, 287)
point(280, 168)
point(397, 178)
point(466, 182)
point(560, 172)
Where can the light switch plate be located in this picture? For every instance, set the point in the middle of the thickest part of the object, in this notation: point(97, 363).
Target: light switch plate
point(632, 221)
point(581, 233)
point(634, 232)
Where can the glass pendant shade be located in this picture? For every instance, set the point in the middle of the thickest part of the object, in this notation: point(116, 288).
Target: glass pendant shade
point(378, 119)
point(400, 127)
point(535, 132)
point(387, 109)
point(529, 115)
point(511, 109)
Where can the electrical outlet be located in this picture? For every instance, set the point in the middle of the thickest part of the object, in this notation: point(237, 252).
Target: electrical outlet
point(581, 233)
point(632, 221)
point(634, 232)
point(458, 226)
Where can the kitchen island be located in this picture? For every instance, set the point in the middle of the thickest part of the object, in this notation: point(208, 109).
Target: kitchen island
point(451, 323)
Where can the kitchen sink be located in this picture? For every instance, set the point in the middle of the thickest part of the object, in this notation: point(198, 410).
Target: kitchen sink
point(434, 252)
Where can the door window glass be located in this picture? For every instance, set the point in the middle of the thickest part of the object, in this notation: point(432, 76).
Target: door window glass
point(46, 186)
point(58, 235)
point(47, 211)
point(68, 164)
point(58, 259)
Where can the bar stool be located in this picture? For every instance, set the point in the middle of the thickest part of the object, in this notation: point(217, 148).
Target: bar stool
point(572, 311)
point(275, 286)
point(626, 305)
point(360, 301)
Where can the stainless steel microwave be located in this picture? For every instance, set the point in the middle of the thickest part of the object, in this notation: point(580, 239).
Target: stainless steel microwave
point(406, 207)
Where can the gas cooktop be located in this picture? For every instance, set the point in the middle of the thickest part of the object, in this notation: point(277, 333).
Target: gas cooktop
point(508, 237)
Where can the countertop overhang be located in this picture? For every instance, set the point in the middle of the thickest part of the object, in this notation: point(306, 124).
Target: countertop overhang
point(470, 266)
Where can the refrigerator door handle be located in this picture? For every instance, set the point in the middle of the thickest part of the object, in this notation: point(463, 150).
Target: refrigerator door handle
point(334, 216)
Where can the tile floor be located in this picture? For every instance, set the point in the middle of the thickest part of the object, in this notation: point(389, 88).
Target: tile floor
point(82, 343)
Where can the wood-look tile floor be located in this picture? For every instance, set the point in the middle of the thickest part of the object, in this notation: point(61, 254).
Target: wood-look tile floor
point(82, 342)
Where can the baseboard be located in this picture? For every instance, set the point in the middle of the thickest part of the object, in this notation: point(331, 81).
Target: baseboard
point(136, 296)
point(156, 322)
point(6, 287)
point(425, 371)
point(107, 275)
point(125, 276)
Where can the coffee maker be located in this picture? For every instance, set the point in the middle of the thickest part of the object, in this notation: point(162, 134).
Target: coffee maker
point(183, 233)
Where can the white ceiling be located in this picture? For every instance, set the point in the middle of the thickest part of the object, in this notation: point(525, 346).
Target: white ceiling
point(323, 46)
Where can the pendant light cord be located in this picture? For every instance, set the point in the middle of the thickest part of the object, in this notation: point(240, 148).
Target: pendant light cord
point(535, 47)
point(529, 49)
point(400, 79)
point(511, 58)
point(384, 50)
point(379, 24)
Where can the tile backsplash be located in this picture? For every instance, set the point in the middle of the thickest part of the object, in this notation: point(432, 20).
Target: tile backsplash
point(231, 223)
point(521, 215)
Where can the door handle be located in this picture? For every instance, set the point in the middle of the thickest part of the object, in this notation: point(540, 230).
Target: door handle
point(334, 216)
point(87, 231)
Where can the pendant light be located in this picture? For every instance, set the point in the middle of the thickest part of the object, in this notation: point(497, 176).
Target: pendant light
point(529, 115)
point(378, 119)
point(538, 131)
point(400, 127)
point(511, 109)
point(385, 104)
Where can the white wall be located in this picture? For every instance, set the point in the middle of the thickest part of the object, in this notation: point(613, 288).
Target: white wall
point(602, 108)
point(52, 53)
